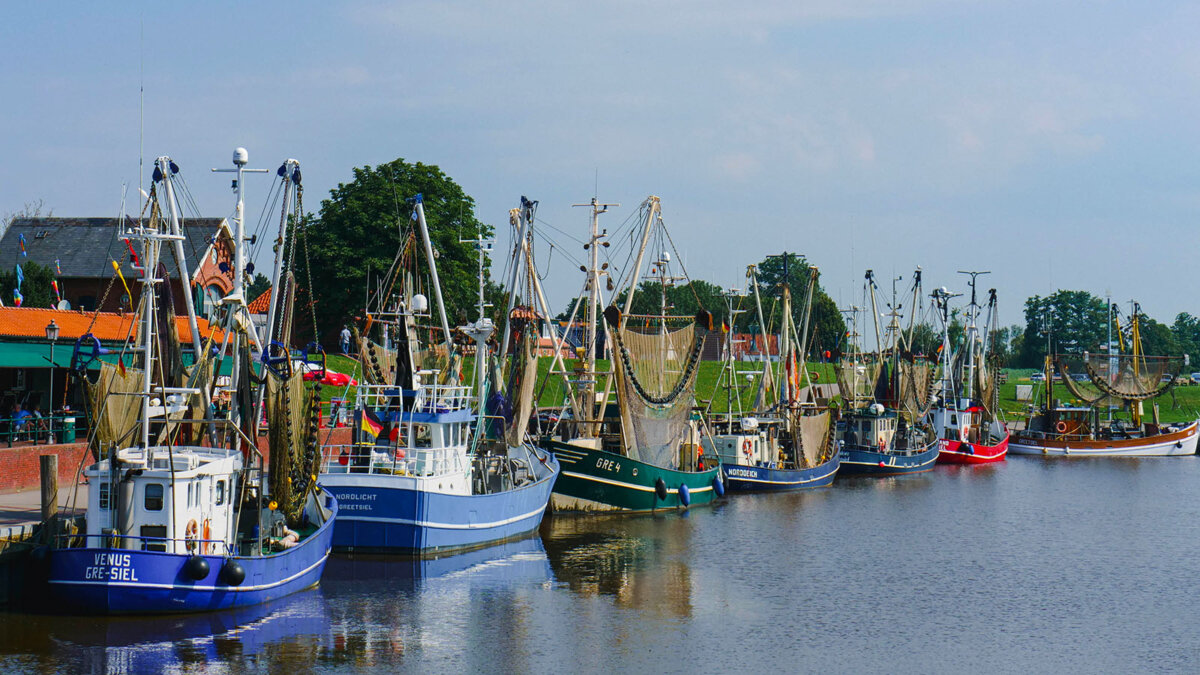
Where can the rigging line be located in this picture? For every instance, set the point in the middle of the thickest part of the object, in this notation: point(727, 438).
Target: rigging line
point(565, 252)
point(561, 231)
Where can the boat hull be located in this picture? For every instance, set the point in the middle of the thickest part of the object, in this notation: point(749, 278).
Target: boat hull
point(958, 452)
point(122, 581)
point(870, 463)
point(388, 514)
point(595, 480)
point(1181, 442)
point(742, 478)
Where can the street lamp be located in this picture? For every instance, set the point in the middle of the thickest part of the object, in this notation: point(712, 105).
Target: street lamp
point(52, 336)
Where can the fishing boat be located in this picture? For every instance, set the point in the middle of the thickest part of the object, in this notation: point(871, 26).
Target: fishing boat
point(788, 444)
point(172, 524)
point(631, 441)
point(882, 431)
point(967, 414)
point(1125, 379)
point(424, 474)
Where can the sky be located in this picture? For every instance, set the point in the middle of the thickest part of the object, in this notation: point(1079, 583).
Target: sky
point(1054, 144)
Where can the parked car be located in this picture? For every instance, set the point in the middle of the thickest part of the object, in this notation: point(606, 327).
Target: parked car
point(1079, 377)
point(1038, 377)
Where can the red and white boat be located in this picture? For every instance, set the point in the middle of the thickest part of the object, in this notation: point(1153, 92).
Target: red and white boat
point(966, 416)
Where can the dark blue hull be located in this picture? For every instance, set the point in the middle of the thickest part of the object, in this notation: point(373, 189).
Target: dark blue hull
point(121, 581)
point(384, 515)
point(741, 478)
point(857, 462)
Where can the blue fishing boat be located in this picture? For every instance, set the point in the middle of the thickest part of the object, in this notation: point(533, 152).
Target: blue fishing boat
point(884, 430)
point(790, 445)
point(431, 470)
point(174, 524)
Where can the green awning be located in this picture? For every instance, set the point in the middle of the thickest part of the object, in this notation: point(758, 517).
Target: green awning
point(37, 355)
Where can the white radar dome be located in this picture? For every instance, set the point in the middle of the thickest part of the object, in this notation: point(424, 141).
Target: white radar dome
point(420, 303)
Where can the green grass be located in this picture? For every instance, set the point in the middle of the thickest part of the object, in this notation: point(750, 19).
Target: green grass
point(1183, 406)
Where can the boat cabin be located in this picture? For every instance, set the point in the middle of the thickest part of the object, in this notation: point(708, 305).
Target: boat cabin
point(423, 433)
point(871, 428)
point(176, 500)
point(750, 441)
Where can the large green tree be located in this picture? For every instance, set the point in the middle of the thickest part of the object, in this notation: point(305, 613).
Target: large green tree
point(1072, 321)
point(363, 224)
point(826, 325)
point(681, 300)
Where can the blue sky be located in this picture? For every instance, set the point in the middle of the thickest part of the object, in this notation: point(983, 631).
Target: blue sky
point(1052, 143)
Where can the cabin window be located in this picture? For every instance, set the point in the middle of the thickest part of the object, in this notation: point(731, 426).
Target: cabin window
point(189, 497)
point(154, 537)
point(220, 492)
point(104, 497)
point(954, 419)
point(154, 497)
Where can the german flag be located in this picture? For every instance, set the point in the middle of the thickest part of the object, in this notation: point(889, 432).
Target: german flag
point(371, 424)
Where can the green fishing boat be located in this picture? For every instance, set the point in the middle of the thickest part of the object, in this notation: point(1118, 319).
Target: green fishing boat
point(633, 444)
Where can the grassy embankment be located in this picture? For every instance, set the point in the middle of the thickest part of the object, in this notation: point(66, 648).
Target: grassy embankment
point(1181, 404)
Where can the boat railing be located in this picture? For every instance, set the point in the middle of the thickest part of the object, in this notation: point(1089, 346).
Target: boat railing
point(429, 398)
point(393, 460)
point(1054, 435)
point(120, 541)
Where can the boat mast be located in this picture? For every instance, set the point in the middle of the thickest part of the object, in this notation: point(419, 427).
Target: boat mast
point(437, 286)
point(652, 209)
point(592, 312)
point(168, 169)
point(766, 383)
point(971, 336)
point(237, 299)
point(521, 218)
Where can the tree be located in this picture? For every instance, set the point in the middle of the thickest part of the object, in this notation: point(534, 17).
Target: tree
point(1186, 331)
point(360, 229)
point(257, 287)
point(1073, 321)
point(35, 289)
point(685, 300)
point(826, 325)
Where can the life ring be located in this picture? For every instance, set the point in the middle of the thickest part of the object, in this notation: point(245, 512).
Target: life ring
point(207, 536)
point(748, 447)
point(1061, 427)
point(189, 535)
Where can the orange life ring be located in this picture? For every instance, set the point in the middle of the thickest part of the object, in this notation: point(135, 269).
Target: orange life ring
point(189, 535)
point(207, 536)
point(1061, 427)
point(748, 447)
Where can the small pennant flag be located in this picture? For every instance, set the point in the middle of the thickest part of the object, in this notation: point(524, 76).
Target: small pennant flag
point(54, 285)
point(17, 297)
point(121, 367)
point(57, 267)
point(20, 277)
point(371, 424)
point(21, 245)
point(117, 268)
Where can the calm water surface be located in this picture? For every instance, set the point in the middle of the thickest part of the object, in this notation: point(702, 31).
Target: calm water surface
point(1077, 565)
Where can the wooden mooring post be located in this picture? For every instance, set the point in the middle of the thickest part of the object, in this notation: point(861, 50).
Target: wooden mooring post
point(49, 468)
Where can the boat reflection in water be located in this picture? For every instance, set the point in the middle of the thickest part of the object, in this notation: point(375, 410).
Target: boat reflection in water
point(629, 558)
point(389, 611)
point(293, 628)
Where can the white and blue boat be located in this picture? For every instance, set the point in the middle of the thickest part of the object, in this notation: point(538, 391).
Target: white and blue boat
point(789, 446)
point(185, 527)
point(423, 476)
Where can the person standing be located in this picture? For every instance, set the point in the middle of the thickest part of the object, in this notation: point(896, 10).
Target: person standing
point(345, 340)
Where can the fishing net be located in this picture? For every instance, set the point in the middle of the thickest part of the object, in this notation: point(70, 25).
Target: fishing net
point(292, 438)
point(857, 380)
point(655, 364)
point(916, 387)
point(1132, 378)
point(379, 363)
point(811, 435)
point(520, 386)
point(114, 406)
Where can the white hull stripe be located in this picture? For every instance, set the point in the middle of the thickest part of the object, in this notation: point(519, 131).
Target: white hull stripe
point(189, 587)
point(618, 483)
point(442, 526)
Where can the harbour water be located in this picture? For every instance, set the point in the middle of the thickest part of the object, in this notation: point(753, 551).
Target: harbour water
point(1077, 565)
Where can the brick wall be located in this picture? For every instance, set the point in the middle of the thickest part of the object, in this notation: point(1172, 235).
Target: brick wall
point(22, 471)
